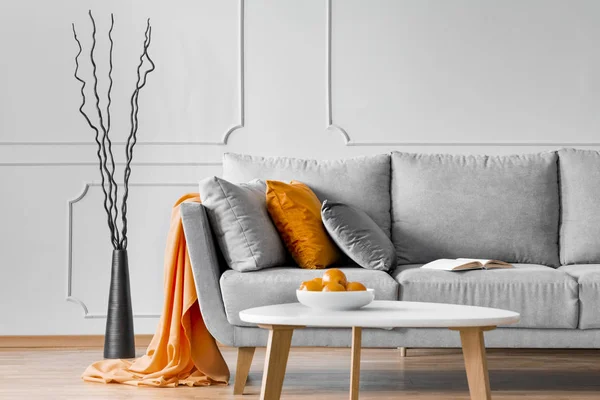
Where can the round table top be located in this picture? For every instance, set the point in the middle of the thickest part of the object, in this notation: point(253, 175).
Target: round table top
point(382, 314)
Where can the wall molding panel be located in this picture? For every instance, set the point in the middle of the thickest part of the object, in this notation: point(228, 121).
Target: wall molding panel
point(347, 138)
point(225, 137)
point(70, 297)
point(328, 91)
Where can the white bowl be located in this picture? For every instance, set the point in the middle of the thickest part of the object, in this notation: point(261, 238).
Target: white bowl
point(338, 301)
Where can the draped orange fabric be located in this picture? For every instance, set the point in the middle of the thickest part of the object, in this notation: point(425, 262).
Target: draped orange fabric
point(182, 351)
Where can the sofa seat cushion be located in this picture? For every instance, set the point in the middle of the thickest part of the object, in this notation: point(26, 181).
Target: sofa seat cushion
point(588, 278)
point(242, 290)
point(545, 297)
point(495, 207)
point(362, 182)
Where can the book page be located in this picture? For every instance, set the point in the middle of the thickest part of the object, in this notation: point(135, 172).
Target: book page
point(488, 264)
point(446, 264)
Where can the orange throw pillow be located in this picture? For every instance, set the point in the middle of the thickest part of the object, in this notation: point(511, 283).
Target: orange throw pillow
point(296, 212)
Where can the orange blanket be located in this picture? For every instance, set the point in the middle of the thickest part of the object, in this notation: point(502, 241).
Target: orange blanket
point(182, 351)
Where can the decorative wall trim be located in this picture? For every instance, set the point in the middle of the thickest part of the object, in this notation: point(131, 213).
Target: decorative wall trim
point(71, 203)
point(331, 125)
point(95, 164)
point(225, 138)
point(350, 142)
point(71, 341)
point(63, 341)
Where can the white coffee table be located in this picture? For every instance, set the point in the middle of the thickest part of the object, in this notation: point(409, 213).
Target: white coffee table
point(282, 319)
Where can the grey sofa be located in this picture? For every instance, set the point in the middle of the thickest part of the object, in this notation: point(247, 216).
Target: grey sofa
point(538, 211)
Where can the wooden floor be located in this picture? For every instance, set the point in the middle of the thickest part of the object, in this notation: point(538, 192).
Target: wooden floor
point(316, 374)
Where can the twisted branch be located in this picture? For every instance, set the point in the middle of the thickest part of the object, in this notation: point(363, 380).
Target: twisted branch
point(109, 96)
point(110, 177)
point(102, 133)
point(96, 138)
point(132, 139)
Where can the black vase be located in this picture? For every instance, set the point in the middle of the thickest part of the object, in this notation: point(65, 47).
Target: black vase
point(118, 340)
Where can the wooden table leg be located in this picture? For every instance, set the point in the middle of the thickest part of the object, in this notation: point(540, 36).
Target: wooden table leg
point(355, 362)
point(278, 349)
point(475, 362)
point(402, 351)
point(244, 361)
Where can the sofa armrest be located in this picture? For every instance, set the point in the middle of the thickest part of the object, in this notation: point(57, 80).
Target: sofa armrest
point(206, 270)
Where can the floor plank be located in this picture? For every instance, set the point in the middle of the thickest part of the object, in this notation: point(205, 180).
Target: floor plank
point(324, 374)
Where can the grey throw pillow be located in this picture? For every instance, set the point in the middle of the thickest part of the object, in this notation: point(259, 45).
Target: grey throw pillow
point(239, 217)
point(358, 236)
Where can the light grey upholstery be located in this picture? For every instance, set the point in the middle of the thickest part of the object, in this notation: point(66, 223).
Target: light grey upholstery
point(243, 228)
point(580, 194)
point(205, 267)
point(491, 207)
point(499, 207)
point(428, 337)
point(545, 297)
point(362, 182)
point(588, 278)
point(278, 285)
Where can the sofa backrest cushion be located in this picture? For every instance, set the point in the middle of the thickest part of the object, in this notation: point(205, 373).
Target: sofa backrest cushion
point(580, 195)
point(499, 207)
point(362, 182)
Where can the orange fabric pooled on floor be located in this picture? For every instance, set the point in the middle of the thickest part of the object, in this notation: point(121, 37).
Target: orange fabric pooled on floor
point(182, 351)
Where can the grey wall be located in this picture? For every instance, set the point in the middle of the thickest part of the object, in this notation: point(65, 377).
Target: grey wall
point(307, 78)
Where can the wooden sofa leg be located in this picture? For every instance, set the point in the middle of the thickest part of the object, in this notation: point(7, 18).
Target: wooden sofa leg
point(402, 351)
point(244, 361)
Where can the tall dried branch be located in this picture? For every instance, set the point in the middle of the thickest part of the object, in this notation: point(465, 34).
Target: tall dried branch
point(106, 155)
point(97, 138)
point(108, 104)
point(102, 133)
point(132, 139)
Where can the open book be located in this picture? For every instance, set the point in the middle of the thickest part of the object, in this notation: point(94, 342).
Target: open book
point(463, 264)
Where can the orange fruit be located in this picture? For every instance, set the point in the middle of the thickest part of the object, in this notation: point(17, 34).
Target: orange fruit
point(355, 287)
point(334, 276)
point(311, 286)
point(334, 287)
point(319, 281)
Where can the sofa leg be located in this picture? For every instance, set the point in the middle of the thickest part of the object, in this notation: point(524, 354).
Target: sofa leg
point(244, 361)
point(402, 351)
